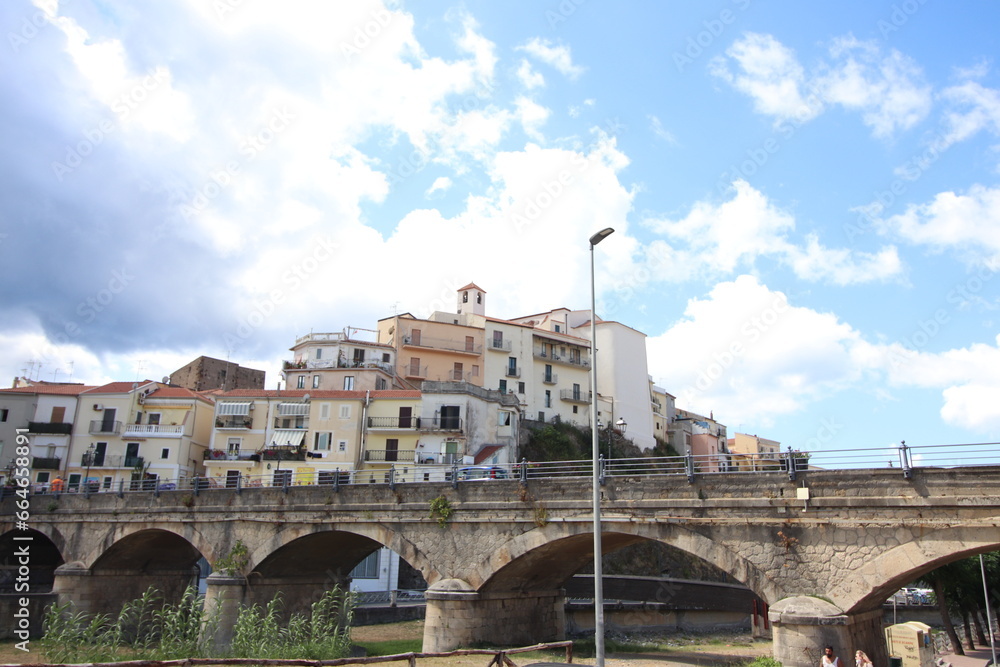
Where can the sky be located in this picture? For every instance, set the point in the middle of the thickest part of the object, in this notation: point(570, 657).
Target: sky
point(805, 196)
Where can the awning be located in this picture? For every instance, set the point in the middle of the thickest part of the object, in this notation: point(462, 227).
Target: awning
point(288, 438)
point(293, 409)
point(241, 409)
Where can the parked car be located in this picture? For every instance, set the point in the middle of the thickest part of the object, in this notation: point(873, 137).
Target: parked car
point(470, 473)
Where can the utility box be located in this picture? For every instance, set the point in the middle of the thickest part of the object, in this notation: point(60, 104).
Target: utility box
point(912, 643)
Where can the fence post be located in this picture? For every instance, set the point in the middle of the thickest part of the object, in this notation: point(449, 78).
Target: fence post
point(239, 484)
point(600, 469)
point(121, 488)
point(336, 480)
point(689, 465)
point(454, 474)
point(392, 477)
point(904, 460)
point(790, 464)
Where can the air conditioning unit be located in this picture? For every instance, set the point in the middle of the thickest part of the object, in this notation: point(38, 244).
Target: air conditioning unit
point(98, 406)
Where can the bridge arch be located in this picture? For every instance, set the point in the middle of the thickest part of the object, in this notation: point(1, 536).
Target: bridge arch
point(870, 585)
point(546, 557)
point(44, 556)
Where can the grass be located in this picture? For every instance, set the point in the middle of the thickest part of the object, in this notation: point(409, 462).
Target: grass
point(391, 646)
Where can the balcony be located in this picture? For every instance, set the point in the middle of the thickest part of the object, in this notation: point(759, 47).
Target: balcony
point(393, 423)
point(513, 372)
point(418, 372)
point(440, 424)
point(278, 453)
point(499, 345)
point(442, 344)
point(236, 421)
point(50, 428)
point(285, 424)
point(575, 396)
point(154, 430)
point(101, 427)
point(550, 378)
point(96, 460)
point(390, 455)
point(223, 455)
point(567, 359)
point(44, 463)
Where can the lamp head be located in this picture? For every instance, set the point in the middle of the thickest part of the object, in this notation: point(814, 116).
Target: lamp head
point(621, 424)
point(601, 235)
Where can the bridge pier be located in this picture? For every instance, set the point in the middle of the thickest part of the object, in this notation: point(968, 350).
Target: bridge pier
point(223, 597)
point(804, 625)
point(105, 591)
point(457, 615)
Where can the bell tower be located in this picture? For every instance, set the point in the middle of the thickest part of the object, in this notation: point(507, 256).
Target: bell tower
point(471, 300)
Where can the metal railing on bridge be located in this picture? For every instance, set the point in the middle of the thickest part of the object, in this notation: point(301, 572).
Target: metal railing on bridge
point(903, 458)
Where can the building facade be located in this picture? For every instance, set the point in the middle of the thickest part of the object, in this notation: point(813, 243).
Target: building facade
point(205, 373)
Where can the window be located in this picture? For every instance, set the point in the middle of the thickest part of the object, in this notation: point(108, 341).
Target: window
point(415, 366)
point(359, 356)
point(415, 336)
point(576, 391)
point(392, 449)
point(575, 409)
point(520, 387)
point(301, 382)
point(319, 353)
point(512, 366)
point(42, 478)
point(479, 297)
point(457, 372)
point(153, 418)
point(450, 417)
point(315, 382)
point(345, 411)
point(348, 383)
point(558, 328)
point(165, 453)
point(368, 568)
point(380, 383)
point(233, 446)
point(324, 411)
point(498, 339)
point(3, 414)
point(58, 413)
point(322, 443)
point(574, 355)
point(465, 297)
point(470, 344)
point(548, 398)
point(548, 373)
point(504, 418)
point(341, 445)
point(503, 386)
point(385, 357)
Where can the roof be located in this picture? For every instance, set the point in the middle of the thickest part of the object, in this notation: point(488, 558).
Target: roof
point(179, 392)
point(119, 387)
point(472, 286)
point(53, 389)
point(317, 394)
point(487, 452)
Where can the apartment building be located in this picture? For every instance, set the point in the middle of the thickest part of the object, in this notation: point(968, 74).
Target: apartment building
point(442, 348)
point(47, 412)
point(138, 435)
point(702, 437)
point(751, 452)
point(348, 360)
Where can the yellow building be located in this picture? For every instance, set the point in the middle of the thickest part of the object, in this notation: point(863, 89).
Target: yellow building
point(751, 452)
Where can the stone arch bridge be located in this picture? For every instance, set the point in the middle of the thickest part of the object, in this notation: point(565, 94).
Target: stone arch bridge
point(824, 551)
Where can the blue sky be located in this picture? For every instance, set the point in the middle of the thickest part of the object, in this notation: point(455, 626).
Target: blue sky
point(805, 196)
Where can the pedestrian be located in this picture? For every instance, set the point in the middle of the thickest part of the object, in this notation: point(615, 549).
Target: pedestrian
point(861, 659)
point(829, 659)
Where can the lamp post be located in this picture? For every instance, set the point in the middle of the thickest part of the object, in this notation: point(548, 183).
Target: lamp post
point(598, 582)
point(86, 477)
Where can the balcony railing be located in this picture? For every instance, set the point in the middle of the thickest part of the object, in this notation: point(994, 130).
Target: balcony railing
point(500, 345)
point(279, 453)
point(52, 428)
point(558, 358)
point(440, 424)
point(237, 421)
point(393, 422)
point(442, 344)
point(286, 424)
point(96, 460)
point(231, 455)
point(154, 430)
point(416, 371)
point(513, 372)
point(550, 378)
point(101, 427)
point(45, 463)
point(390, 455)
point(575, 396)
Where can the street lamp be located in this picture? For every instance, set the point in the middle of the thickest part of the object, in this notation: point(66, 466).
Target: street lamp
point(90, 460)
point(598, 583)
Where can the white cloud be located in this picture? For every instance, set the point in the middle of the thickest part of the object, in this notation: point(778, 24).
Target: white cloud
point(558, 57)
point(972, 108)
point(532, 116)
point(714, 240)
point(528, 76)
point(663, 133)
point(969, 223)
point(745, 347)
point(441, 184)
point(888, 90)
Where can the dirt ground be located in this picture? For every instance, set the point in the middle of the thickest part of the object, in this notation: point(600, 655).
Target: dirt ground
point(706, 651)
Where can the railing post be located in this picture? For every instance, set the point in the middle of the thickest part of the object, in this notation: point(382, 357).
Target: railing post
point(524, 471)
point(454, 474)
point(689, 465)
point(239, 484)
point(336, 480)
point(121, 488)
point(392, 477)
point(904, 460)
point(197, 484)
point(790, 464)
point(284, 482)
point(600, 469)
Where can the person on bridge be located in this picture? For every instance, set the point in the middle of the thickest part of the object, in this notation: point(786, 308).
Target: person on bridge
point(861, 659)
point(829, 659)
